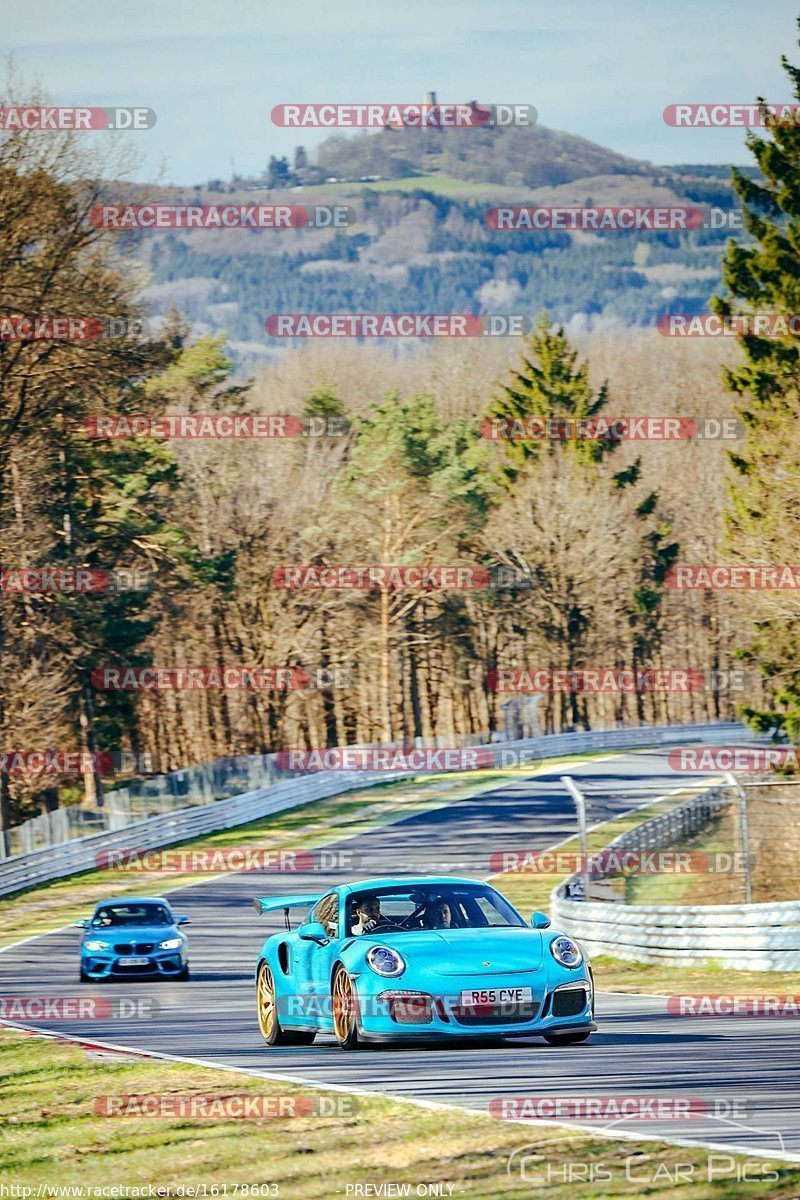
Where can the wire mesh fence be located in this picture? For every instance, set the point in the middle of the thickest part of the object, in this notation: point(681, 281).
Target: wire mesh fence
point(738, 843)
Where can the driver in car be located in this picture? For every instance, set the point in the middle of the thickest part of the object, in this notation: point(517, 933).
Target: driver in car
point(368, 912)
point(438, 915)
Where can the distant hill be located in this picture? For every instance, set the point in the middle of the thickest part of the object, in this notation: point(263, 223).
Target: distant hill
point(421, 243)
point(517, 157)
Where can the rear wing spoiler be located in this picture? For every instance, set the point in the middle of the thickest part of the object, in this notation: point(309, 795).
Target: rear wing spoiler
point(265, 904)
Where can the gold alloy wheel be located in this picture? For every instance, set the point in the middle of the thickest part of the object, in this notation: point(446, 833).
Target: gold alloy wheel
point(267, 1016)
point(343, 1007)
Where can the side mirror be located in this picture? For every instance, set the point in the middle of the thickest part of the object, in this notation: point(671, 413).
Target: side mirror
point(314, 931)
point(184, 920)
point(539, 920)
point(83, 923)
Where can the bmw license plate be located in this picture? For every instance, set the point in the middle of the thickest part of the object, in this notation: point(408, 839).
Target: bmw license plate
point(131, 960)
point(474, 997)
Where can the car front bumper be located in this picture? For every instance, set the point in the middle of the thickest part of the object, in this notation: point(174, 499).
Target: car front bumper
point(565, 1007)
point(106, 965)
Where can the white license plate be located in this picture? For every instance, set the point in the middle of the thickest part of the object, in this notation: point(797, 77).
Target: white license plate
point(132, 961)
point(480, 996)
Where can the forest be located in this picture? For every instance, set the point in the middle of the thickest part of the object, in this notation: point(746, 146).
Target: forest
point(186, 540)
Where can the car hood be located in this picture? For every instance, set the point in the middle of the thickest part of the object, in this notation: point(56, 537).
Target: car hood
point(132, 933)
point(468, 951)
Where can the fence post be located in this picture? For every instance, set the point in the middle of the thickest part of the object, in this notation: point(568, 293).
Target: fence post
point(580, 804)
point(734, 782)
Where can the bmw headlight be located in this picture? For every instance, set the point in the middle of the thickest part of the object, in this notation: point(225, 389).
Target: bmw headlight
point(385, 961)
point(97, 945)
point(170, 944)
point(566, 952)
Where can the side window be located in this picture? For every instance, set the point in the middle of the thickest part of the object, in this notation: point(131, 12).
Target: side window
point(488, 913)
point(326, 912)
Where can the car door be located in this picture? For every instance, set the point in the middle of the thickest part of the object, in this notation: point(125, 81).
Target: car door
point(320, 959)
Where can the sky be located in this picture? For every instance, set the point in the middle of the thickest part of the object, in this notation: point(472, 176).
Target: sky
point(604, 69)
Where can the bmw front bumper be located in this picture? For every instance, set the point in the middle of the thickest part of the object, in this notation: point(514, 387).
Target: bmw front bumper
point(105, 964)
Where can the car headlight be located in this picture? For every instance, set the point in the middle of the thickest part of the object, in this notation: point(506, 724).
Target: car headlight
point(97, 945)
point(170, 944)
point(566, 952)
point(385, 961)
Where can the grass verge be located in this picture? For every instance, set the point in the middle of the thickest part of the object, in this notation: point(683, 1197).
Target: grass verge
point(51, 1135)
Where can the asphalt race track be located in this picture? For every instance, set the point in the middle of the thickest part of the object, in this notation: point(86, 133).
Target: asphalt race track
point(638, 1051)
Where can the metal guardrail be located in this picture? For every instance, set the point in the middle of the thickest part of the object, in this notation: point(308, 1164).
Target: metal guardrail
point(151, 796)
point(747, 937)
point(666, 829)
point(80, 854)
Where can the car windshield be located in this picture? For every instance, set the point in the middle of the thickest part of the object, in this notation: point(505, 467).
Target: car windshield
point(414, 908)
point(114, 915)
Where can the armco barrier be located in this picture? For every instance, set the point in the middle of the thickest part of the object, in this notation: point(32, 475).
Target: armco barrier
point(746, 937)
point(70, 857)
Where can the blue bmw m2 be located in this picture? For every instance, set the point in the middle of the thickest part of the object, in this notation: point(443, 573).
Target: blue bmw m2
point(125, 938)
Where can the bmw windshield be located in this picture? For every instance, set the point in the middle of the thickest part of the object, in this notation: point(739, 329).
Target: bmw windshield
point(113, 916)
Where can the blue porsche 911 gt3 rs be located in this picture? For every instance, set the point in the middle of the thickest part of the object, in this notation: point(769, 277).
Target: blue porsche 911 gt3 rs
point(124, 938)
point(387, 959)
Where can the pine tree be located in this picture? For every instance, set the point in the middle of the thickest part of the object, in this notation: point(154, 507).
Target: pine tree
point(763, 521)
point(550, 385)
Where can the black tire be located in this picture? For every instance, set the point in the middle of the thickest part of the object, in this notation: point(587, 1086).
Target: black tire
point(84, 977)
point(566, 1039)
point(270, 1026)
point(185, 973)
point(344, 1004)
